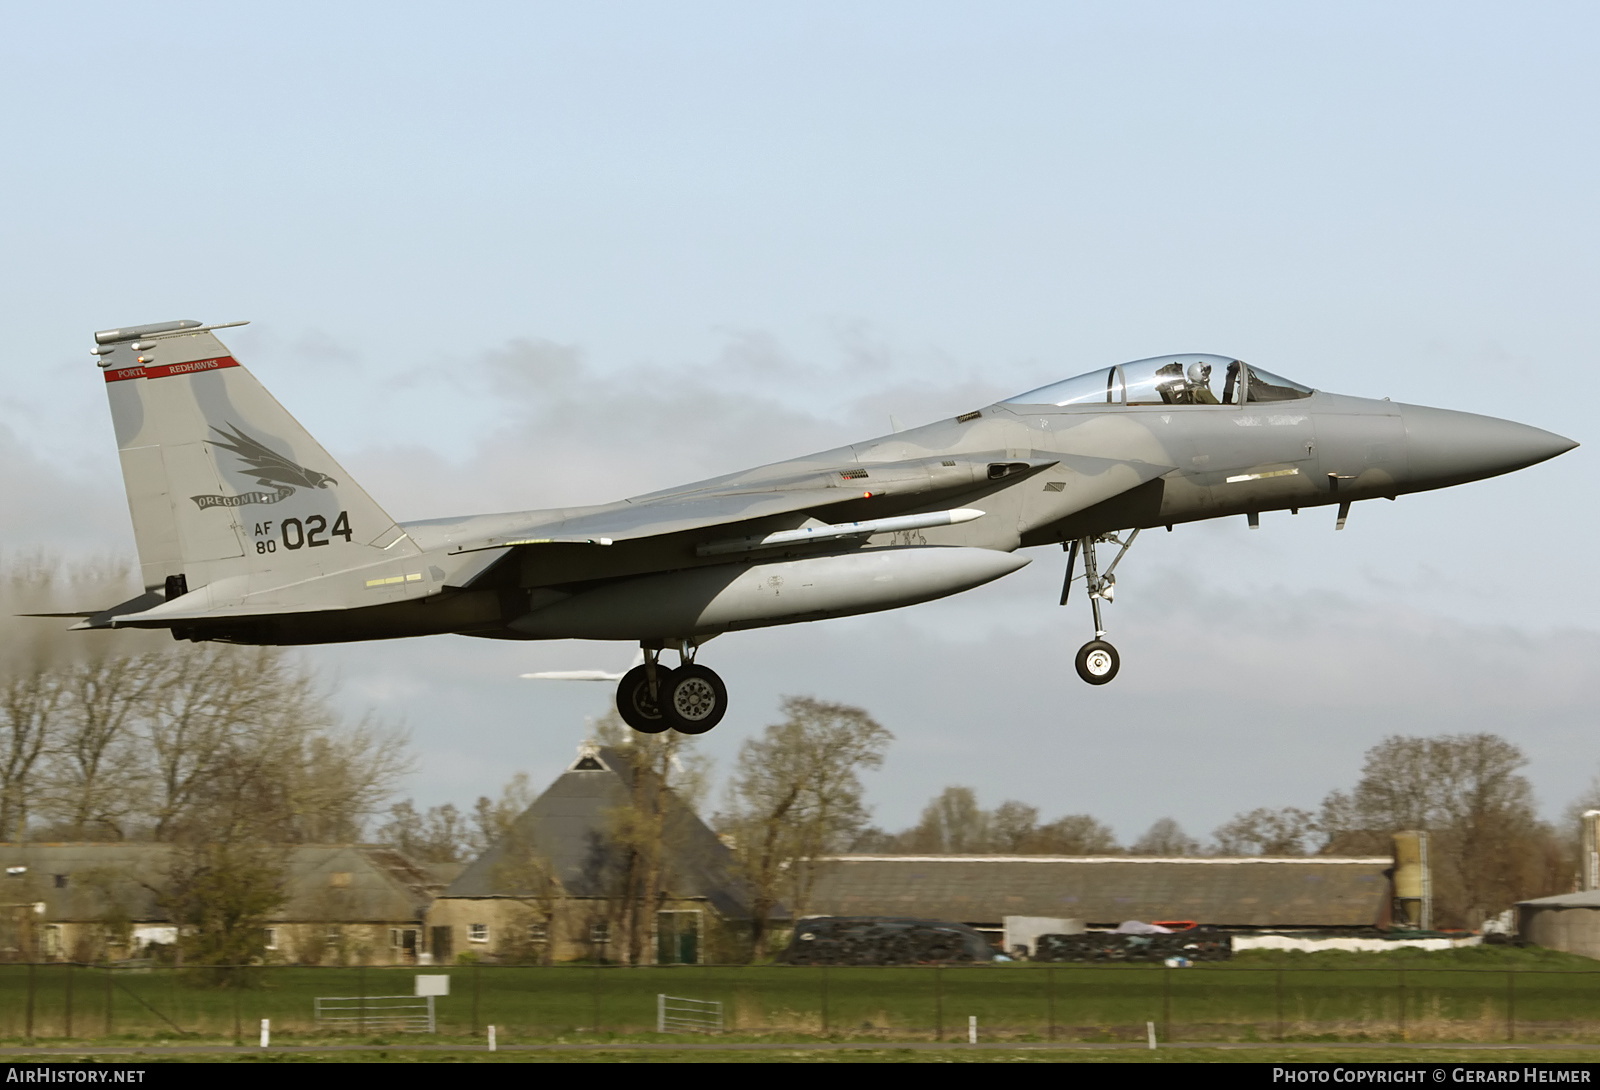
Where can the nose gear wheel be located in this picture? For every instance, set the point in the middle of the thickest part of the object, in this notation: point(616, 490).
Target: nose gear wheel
point(1098, 662)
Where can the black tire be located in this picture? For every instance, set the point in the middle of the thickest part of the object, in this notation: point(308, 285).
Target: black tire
point(634, 703)
point(695, 700)
point(1098, 662)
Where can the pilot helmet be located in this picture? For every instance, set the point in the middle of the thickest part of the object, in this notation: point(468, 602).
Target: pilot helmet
point(1199, 374)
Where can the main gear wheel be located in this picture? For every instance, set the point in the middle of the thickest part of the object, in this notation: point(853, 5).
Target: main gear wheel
point(694, 700)
point(637, 707)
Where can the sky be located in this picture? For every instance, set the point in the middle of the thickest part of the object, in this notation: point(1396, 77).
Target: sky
point(506, 256)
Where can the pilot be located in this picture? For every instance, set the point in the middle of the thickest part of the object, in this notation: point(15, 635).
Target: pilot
point(1200, 385)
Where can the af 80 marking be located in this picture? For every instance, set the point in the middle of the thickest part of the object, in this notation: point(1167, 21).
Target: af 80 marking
point(298, 534)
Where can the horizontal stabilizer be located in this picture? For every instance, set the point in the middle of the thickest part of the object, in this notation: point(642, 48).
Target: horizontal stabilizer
point(163, 617)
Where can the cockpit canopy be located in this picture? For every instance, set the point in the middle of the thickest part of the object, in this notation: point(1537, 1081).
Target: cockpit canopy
point(1193, 378)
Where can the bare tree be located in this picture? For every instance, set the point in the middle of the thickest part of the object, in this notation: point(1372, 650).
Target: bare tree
point(440, 835)
point(342, 776)
point(29, 704)
point(156, 744)
point(94, 780)
point(249, 760)
point(1488, 849)
point(1074, 834)
point(797, 795)
point(1165, 837)
point(1013, 827)
point(203, 701)
point(495, 818)
point(952, 822)
point(1286, 832)
point(244, 745)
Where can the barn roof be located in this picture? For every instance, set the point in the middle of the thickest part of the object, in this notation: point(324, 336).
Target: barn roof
point(322, 882)
point(1224, 892)
point(572, 828)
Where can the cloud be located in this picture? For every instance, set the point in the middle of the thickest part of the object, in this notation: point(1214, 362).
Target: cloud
point(563, 432)
point(1225, 702)
point(49, 507)
point(1349, 651)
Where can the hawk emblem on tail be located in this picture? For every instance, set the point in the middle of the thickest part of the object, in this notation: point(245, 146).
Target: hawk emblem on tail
point(269, 467)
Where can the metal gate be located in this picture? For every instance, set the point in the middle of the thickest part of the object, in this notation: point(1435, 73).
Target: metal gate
point(675, 1014)
point(398, 1012)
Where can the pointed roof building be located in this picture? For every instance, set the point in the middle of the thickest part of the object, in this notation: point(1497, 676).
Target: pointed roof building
point(572, 830)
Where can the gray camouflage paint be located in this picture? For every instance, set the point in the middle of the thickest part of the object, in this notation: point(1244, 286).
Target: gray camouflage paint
point(324, 563)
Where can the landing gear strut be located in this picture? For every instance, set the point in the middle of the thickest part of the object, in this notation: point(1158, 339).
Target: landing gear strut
point(1097, 661)
point(653, 697)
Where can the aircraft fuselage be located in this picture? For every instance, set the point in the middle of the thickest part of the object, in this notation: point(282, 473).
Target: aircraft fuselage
point(1199, 462)
point(249, 530)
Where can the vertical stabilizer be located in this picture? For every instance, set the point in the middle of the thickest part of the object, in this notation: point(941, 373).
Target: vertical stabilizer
point(222, 482)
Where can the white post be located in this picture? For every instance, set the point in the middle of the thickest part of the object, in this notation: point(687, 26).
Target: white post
point(1150, 1028)
point(661, 1012)
point(433, 1027)
point(491, 1038)
point(266, 1032)
point(972, 1029)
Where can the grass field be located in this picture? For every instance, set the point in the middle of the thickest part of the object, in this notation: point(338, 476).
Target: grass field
point(1485, 995)
point(816, 1052)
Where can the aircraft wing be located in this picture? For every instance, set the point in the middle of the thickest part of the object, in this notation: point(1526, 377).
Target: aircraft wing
point(726, 502)
point(631, 520)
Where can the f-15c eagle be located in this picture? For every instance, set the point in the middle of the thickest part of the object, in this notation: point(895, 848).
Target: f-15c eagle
point(249, 532)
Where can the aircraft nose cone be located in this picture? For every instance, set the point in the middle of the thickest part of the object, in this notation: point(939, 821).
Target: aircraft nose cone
point(1445, 447)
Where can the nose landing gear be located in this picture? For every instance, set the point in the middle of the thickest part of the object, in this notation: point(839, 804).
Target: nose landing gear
point(1097, 661)
point(653, 698)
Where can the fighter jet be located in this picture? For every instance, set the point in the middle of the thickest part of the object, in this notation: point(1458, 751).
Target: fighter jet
point(249, 532)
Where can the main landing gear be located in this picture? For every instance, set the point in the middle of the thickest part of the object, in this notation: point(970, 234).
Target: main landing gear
point(1097, 661)
point(653, 697)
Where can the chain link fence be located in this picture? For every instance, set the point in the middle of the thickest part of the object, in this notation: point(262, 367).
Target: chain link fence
point(1212, 1002)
